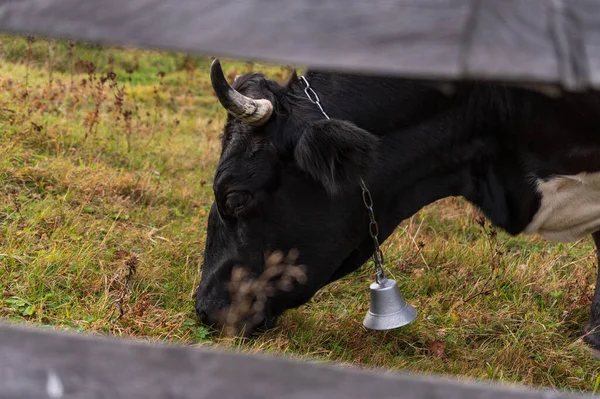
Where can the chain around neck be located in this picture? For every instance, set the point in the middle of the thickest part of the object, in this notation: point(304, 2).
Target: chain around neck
point(312, 96)
point(366, 194)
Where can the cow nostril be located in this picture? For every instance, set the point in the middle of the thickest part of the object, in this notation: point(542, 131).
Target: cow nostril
point(203, 316)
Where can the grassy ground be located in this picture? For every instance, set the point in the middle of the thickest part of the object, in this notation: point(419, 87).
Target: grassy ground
point(105, 184)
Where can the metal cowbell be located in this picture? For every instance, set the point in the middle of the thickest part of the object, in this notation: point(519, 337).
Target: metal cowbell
point(388, 309)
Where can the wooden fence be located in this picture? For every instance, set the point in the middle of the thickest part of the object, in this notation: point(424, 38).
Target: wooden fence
point(553, 42)
point(549, 41)
point(45, 364)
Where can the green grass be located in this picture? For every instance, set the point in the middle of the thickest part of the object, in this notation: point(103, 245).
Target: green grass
point(103, 222)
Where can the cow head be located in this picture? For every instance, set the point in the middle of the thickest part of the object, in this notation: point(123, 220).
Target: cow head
point(287, 179)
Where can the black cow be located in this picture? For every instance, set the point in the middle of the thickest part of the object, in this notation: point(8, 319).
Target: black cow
point(290, 178)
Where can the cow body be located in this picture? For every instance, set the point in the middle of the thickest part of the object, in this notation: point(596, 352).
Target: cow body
point(530, 162)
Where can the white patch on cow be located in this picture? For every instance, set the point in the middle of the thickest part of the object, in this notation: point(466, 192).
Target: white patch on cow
point(569, 209)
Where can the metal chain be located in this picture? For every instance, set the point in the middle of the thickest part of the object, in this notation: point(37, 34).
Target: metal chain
point(366, 195)
point(373, 231)
point(309, 91)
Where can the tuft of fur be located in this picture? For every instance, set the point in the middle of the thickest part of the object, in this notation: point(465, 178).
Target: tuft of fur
point(335, 153)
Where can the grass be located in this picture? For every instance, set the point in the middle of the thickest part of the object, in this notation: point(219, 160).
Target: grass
point(105, 183)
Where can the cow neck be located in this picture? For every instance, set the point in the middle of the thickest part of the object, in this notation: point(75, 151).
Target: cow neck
point(366, 194)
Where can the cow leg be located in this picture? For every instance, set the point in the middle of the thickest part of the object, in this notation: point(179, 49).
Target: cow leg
point(591, 332)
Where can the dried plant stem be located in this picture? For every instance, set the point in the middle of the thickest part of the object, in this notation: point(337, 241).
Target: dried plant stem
point(249, 295)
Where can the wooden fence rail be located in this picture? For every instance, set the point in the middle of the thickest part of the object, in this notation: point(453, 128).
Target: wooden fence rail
point(551, 41)
point(48, 364)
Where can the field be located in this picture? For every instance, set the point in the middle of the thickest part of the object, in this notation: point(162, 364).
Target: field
point(105, 179)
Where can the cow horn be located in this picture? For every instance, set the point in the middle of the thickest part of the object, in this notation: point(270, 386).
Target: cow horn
point(254, 112)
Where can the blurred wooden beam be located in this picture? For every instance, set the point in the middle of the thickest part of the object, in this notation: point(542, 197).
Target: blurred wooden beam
point(46, 364)
point(533, 41)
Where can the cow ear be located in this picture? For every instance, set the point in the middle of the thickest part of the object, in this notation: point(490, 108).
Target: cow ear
point(292, 79)
point(336, 153)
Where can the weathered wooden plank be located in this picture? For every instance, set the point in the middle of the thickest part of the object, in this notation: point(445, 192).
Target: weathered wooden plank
point(553, 41)
point(586, 14)
point(46, 364)
point(509, 34)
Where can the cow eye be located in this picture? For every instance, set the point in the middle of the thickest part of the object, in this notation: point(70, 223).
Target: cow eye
point(235, 202)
